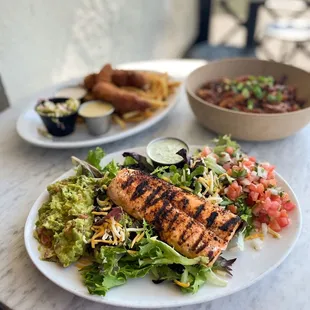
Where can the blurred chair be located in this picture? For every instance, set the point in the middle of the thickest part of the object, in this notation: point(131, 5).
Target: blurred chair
point(201, 48)
point(288, 27)
point(4, 102)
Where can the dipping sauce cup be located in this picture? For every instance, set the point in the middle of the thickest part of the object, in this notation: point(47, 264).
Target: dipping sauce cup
point(163, 151)
point(97, 115)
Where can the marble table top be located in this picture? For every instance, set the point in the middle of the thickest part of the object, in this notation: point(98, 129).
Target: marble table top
point(26, 170)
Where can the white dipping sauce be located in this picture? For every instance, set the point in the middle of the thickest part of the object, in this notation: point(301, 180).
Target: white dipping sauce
point(75, 92)
point(95, 109)
point(164, 150)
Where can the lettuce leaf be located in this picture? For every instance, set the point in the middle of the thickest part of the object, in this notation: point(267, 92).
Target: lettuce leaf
point(142, 162)
point(95, 156)
point(223, 142)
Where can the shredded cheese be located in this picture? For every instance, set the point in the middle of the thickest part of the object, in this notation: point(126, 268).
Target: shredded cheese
point(273, 233)
point(136, 239)
point(255, 236)
point(99, 213)
point(185, 285)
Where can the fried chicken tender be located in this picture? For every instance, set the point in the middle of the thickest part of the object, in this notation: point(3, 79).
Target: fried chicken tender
point(122, 100)
point(105, 74)
point(90, 81)
point(129, 78)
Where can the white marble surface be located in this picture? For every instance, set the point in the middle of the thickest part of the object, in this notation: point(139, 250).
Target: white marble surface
point(26, 170)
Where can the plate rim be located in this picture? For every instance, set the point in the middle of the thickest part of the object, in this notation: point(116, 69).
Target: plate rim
point(28, 228)
point(140, 127)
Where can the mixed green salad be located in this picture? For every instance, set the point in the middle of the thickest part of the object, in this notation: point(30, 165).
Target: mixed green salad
point(80, 224)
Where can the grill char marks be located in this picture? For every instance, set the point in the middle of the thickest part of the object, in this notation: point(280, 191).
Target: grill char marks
point(128, 182)
point(199, 210)
point(149, 201)
point(140, 190)
point(174, 219)
point(161, 215)
point(166, 195)
point(226, 226)
point(199, 239)
point(186, 230)
point(201, 247)
point(211, 219)
point(184, 203)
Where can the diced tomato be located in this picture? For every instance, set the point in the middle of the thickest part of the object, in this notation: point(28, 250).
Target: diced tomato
point(283, 221)
point(264, 218)
point(234, 185)
point(254, 196)
point(247, 163)
point(260, 188)
point(229, 172)
point(273, 213)
point(230, 150)
point(274, 225)
point(233, 209)
point(276, 198)
point(288, 206)
point(234, 191)
point(206, 151)
point(250, 201)
point(253, 159)
point(267, 194)
point(267, 203)
point(264, 182)
point(270, 175)
point(252, 187)
point(274, 205)
point(283, 213)
point(285, 197)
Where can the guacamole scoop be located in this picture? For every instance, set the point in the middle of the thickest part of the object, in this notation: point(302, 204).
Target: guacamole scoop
point(64, 224)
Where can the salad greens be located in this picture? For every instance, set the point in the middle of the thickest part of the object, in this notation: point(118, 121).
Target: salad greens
point(115, 265)
point(139, 251)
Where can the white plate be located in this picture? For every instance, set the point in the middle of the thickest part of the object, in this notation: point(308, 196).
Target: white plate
point(29, 122)
point(250, 266)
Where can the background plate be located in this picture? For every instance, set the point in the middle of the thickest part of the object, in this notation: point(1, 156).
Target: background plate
point(250, 266)
point(29, 122)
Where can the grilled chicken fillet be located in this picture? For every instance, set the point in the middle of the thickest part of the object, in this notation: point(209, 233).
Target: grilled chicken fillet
point(185, 234)
point(222, 222)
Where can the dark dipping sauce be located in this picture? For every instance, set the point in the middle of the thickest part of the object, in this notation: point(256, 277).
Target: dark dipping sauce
point(254, 94)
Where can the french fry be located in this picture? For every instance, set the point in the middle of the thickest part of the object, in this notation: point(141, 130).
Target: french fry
point(135, 119)
point(148, 113)
point(173, 84)
point(157, 103)
point(130, 114)
point(119, 121)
